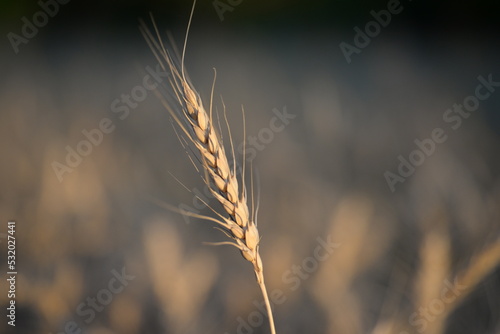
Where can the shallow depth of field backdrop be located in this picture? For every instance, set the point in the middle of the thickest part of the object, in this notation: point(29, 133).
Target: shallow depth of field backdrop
point(344, 249)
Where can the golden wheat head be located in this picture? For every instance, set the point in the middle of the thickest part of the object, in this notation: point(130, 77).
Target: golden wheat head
point(197, 126)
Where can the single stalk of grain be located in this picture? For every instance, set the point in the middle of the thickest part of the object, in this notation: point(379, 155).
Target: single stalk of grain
point(198, 126)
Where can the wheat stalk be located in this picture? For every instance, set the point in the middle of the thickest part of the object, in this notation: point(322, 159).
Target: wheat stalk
point(198, 126)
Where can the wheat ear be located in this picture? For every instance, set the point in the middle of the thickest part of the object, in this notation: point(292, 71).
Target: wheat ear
point(198, 127)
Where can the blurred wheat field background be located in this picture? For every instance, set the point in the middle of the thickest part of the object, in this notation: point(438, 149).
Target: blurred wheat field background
point(342, 252)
